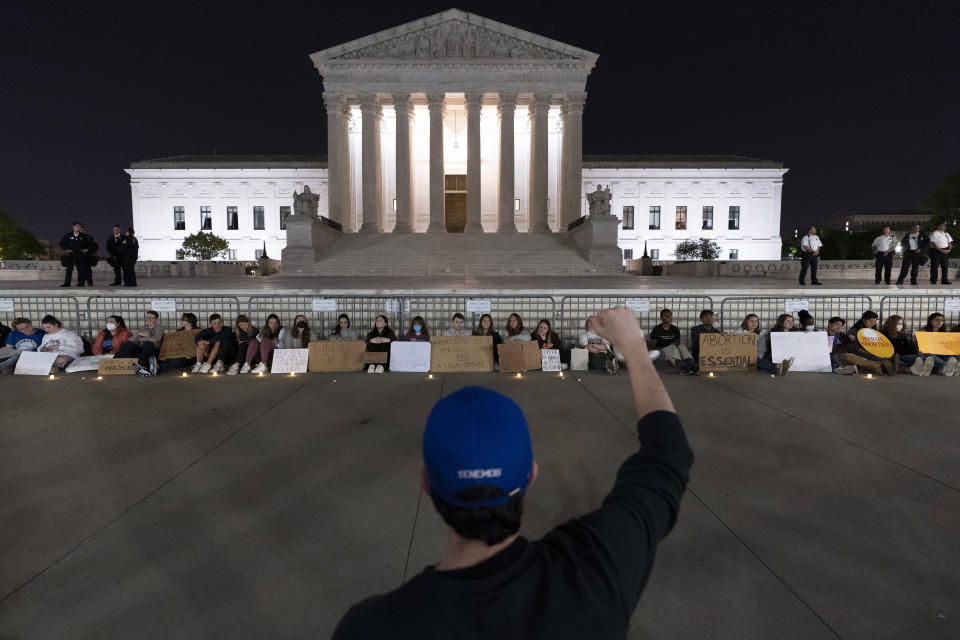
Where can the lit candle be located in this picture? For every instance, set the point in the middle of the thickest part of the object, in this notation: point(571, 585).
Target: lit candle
point(560, 375)
point(99, 377)
point(184, 374)
point(52, 377)
point(519, 375)
point(869, 376)
point(430, 377)
point(260, 374)
point(292, 374)
point(214, 374)
point(710, 374)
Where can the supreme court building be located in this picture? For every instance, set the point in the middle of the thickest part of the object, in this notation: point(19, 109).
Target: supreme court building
point(455, 123)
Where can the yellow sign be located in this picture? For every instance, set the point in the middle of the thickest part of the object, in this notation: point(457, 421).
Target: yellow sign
point(941, 343)
point(875, 343)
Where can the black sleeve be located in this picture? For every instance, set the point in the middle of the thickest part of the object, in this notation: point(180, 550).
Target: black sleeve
point(65, 242)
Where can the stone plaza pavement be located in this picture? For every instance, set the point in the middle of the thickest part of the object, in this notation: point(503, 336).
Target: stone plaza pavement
point(820, 506)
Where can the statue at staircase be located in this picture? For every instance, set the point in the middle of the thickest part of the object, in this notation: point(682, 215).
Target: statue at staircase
point(599, 201)
point(305, 204)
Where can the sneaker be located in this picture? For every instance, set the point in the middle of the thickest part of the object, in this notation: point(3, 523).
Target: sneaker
point(204, 368)
point(197, 367)
point(372, 368)
point(888, 367)
point(234, 369)
point(136, 368)
point(784, 366)
point(849, 370)
point(379, 369)
point(676, 364)
point(951, 367)
point(916, 368)
point(154, 367)
point(564, 366)
point(928, 365)
point(218, 366)
point(654, 355)
point(245, 368)
point(612, 367)
point(260, 368)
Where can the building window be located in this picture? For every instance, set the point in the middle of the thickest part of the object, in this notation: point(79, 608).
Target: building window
point(681, 218)
point(734, 253)
point(655, 254)
point(655, 218)
point(257, 253)
point(734, 221)
point(206, 219)
point(707, 218)
point(233, 219)
point(231, 254)
point(179, 219)
point(284, 214)
point(258, 223)
point(628, 254)
point(627, 218)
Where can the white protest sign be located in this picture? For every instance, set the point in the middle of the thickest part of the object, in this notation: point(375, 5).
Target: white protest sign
point(6, 304)
point(478, 306)
point(324, 304)
point(290, 361)
point(392, 305)
point(164, 305)
point(792, 305)
point(550, 359)
point(639, 305)
point(808, 349)
point(35, 363)
point(410, 356)
point(950, 304)
point(86, 363)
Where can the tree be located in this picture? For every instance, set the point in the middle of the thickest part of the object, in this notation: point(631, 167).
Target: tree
point(16, 243)
point(203, 246)
point(945, 203)
point(701, 249)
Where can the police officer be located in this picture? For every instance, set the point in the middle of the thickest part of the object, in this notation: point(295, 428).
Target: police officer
point(113, 253)
point(941, 243)
point(129, 252)
point(78, 248)
point(914, 245)
point(883, 247)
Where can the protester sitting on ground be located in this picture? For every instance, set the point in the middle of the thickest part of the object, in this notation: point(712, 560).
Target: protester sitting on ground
point(514, 329)
point(805, 321)
point(584, 578)
point(378, 341)
point(665, 337)
point(299, 336)
point(418, 331)
point(600, 354)
point(245, 335)
point(935, 322)
point(545, 336)
point(188, 322)
point(485, 328)
point(751, 324)
point(950, 366)
point(840, 344)
point(4, 332)
point(343, 330)
point(868, 320)
point(144, 344)
point(905, 348)
point(272, 337)
point(111, 337)
point(65, 343)
point(705, 326)
point(24, 337)
point(457, 329)
point(215, 345)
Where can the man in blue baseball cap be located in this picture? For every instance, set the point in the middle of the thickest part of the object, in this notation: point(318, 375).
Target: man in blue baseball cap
point(581, 580)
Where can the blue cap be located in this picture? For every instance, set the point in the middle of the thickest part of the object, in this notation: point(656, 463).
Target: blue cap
point(477, 437)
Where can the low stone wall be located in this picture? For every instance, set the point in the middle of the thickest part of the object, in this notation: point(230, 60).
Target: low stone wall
point(21, 270)
point(782, 269)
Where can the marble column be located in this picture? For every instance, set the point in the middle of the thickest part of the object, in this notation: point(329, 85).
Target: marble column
point(348, 215)
point(337, 203)
point(474, 103)
point(506, 109)
point(571, 169)
point(435, 106)
point(404, 110)
point(371, 112)
point(539, 109)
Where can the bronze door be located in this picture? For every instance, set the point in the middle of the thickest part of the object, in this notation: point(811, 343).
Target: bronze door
point(455, 212)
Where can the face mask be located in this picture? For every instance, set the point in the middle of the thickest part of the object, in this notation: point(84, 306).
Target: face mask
point(900, 327)
point(111, 326)
point(417, 328)
point(809, 327)
point(301, 325)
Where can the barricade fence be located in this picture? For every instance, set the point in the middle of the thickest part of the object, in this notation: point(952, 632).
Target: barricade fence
point(362, 310)
point(170, 308)
point(65, 308)
point(916, 309)
point(767, 308)
point(438, 310)
point(574, 311)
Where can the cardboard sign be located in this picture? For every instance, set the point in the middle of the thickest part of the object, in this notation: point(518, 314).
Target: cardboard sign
point(376, 357)
point(164, 305)
point(410, 356)
point(290, 360)
point(519, 355)
point(338, 355)
point(579, 359)
point(807, 348)
point(639, 305)
point(116, 366)
point(951, 304)
point(478, 306)
point(473, 353)
point(875, 342)
point(6, 304)
point(324, 304)
point(550, 359)
point(86, 363)
point(178, 344)
point(945, 343)
point(793, 305)
point(728, 351)
point(35, 363)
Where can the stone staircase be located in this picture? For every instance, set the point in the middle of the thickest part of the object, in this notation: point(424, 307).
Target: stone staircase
point(448, 254)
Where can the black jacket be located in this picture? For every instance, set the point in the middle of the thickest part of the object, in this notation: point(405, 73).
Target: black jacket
point(113, 245)
point(129, 250)
point(77, 244)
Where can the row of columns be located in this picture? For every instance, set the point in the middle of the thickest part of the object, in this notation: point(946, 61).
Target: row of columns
point(338, 161)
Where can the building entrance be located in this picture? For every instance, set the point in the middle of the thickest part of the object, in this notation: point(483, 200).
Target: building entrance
point(455, 203)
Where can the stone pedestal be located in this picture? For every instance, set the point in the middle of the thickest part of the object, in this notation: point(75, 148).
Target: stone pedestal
point(306, 238)
point(596, 240)
point(646, 265)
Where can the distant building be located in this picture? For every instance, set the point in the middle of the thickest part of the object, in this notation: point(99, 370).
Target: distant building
point(875, 221)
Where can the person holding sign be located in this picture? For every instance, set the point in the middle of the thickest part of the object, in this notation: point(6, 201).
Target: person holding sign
point(418, 331)
point(343, 330)
point(67, 344)
point(905, 349)
point(272, 338)
point(214, 345)
point(810, 256)
point(457, 329)
point(378, 341)
point(514, 329)
point(24, 337)
point(935, 324)
point(188, 322)
point(868, 320)
point(584, 578)
point(547, 338)
point(751, 324)
point(883, 247)
point(485, 328)
point(941, 244)
point(144, 345)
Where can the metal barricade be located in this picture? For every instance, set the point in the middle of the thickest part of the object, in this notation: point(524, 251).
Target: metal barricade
point(916, 309)
point(767, 308)
point(64, 308)
point(438, 310)
point(574, 311)
point(362, 310)
point(133, 308)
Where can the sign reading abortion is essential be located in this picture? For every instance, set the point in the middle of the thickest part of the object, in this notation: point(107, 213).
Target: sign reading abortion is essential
point(875, 342)
point(728, 351)
point(808, 349)
point(410, 356)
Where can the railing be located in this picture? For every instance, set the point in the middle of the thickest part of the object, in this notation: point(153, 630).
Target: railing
point(767, 308)
point(574, 311)
point(362, 310)
point(133, 308)
point(65, 308)
point(438, 310)
point(916, 309)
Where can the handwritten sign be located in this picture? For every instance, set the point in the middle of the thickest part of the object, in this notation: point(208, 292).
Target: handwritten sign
point(164, 305)
point(35, 363)
point(550, 359)
point(945, 343)
point(478, 306)
point(639, 305)
point(86, 363)
point(179, 344)
point(410, 356)
point(6, 304)
point(116, 366)
point(728, 351)
point(951, 304)
point(579, 359)
point(473, 353)
point(376, 357)
point(340, 355)
point(875, 342)
point(519, 356)
point(793, 305)
point(324, 304)
point(290, 361)
point(807, 348)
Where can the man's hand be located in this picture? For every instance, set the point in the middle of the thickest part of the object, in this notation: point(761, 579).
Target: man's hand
point(619, 326)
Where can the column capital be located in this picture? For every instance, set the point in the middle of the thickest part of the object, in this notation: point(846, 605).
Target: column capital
point(573, 103)
point(473, 100)
point(370, 103)
point(540, 102)
point(506, 101)
point(435, 101)
point(402, 102)
point(334, 101)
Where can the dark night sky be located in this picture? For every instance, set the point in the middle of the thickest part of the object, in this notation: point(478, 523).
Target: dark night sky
point(861, 100)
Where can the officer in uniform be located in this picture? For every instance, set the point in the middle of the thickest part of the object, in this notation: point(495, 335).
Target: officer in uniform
point(79, 249)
